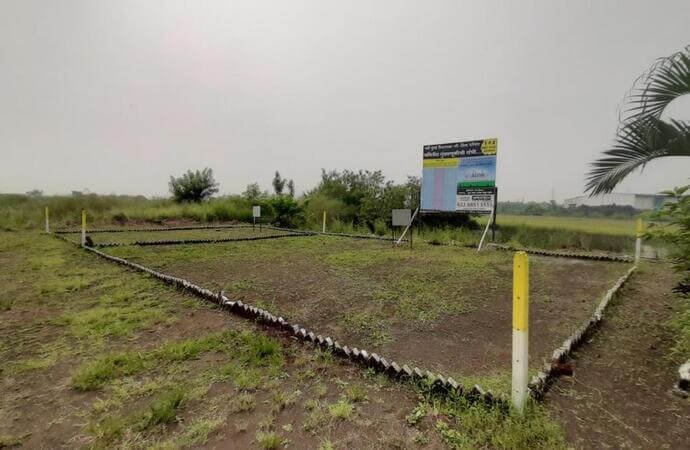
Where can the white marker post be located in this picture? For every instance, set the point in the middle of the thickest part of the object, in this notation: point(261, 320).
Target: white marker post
point(638, 241)
point(47, 221)
point(256, 213)
point(323, 228)
point(83, 228)
point(520, 329)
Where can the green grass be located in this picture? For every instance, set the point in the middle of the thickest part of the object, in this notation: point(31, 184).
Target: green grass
point(614, 227)
point(19, 212)
point(465, 425)
point(112, 321)
point(163, 409)
point(251, 348)
point(680, 324)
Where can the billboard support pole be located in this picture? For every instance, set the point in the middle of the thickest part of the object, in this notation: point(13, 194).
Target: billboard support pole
point(408, 227)
point(493, 215)
point(486, 229)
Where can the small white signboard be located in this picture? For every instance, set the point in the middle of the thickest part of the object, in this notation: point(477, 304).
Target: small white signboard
point(256, 211)
point(401, 217)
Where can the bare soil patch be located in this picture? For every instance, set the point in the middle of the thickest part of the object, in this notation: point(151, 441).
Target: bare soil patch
point(443, 308)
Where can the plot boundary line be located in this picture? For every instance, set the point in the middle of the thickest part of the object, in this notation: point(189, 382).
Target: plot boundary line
point(435, 381)
point(507, 247)
point(152, 229)
point(563, 254)
point(196, 241)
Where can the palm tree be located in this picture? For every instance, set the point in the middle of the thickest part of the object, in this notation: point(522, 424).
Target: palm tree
point(642, 135)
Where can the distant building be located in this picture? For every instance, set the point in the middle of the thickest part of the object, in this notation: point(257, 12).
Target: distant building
point(637, 201)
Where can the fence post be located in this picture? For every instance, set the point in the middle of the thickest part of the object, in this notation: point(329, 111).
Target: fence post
point(638, 242)
point(47, 221)
point(323, 229)
point(520, 329)
point(83, 227)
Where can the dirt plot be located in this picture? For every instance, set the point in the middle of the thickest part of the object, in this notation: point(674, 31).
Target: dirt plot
point(620, 395)
point(440, 307)
point(128, 237)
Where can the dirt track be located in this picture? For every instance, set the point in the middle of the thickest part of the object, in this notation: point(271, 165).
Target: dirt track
point(620, 394)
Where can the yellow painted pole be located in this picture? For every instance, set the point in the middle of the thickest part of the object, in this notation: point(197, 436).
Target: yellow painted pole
point(324, 221)
point(520, 329)
point(47, 221)
point(83, 227)
point(638, 242)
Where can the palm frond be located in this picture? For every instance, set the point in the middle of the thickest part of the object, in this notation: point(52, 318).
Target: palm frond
point(667, 79)
point(637, 143)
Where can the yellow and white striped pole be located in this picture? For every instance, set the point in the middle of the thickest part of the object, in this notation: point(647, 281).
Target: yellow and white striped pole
point(520, 329)
point(638, 242)
point(83, 227)
point(324, 221)
point(47, 221)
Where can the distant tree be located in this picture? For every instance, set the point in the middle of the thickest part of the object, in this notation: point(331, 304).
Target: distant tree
point(291, 188)
point(35, 193)
point(193, 186)
point(278, 183)
point(77, 194)
point(252, 192)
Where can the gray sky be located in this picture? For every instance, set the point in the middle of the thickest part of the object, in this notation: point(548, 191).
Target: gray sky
point(115, 96)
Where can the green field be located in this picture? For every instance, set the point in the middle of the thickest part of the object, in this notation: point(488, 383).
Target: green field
point(615, 227)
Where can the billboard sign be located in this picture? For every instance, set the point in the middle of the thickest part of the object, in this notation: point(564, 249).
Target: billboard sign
point(459, 176)
point(256, 211)
point(401, 217)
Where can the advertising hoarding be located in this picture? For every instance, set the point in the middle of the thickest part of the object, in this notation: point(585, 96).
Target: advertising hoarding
point(459, 177)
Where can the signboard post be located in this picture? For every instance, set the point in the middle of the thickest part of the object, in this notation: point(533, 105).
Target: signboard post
point(402, 218)
point(256, 213)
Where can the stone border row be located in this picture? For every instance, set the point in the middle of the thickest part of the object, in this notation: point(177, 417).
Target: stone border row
point(197, 241)
point(328, 233)
point(435, 381)
point(137, 230)
point(563, 254)
point(552, 369)
point(682, 388)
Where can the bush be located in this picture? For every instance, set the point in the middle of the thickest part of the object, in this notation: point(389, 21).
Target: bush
point(676, 232)
point(285, 211)
point(193, 186)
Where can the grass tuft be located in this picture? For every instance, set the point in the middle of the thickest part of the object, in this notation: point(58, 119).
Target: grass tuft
point(268, 441)
point(342, 410)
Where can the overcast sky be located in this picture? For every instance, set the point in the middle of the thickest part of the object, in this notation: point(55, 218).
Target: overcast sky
point(115, 96)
